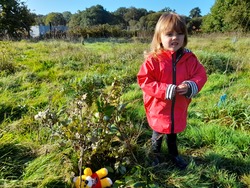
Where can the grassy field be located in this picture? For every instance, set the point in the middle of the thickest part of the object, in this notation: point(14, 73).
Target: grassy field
point(61, 101)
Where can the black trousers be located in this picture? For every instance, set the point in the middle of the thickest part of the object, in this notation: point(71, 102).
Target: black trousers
point(171, 139)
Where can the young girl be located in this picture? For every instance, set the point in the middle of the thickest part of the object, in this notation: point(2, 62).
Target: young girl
point(169, 77)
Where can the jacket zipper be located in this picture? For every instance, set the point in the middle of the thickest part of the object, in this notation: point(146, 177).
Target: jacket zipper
point(173, 100)
point(175, 60)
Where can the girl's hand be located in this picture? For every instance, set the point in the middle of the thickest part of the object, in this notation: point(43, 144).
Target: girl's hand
point(182, 89)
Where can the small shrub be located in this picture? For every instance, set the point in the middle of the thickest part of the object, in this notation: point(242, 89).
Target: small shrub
point(95, 124)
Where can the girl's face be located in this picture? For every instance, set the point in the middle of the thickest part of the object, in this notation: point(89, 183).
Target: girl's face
point(172, 40)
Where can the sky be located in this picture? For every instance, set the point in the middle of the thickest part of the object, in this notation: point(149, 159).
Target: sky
point(182, 7)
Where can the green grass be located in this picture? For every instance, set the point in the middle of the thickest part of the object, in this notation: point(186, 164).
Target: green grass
point(53, 74)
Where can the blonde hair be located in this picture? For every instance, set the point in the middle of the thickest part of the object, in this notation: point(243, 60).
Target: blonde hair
point(168, 22)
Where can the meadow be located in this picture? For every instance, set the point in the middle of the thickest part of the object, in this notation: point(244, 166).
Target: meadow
point(66, 106)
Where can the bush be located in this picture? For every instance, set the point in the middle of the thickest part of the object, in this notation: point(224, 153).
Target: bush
point(95, 125)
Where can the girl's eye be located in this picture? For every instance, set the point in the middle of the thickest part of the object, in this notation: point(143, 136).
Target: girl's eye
point(174, 34)
point(169, 34)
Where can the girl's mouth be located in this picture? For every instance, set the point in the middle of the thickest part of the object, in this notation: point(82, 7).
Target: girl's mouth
point(174, 44)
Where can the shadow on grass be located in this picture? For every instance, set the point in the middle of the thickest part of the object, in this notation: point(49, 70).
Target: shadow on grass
point(13, 160)
point(236, 165)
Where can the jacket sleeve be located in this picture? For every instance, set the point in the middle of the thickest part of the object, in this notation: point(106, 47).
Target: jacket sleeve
point(148, 79)
point(198, 77)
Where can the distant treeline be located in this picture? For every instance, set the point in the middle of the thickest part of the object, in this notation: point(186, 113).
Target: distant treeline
point(225, 16)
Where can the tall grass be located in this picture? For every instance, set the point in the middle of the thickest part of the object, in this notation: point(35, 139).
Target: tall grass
point(52, 75)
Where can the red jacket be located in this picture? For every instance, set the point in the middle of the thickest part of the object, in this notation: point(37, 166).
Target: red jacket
point(156, 77)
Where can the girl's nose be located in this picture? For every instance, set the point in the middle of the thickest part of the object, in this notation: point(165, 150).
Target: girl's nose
point(175, 36)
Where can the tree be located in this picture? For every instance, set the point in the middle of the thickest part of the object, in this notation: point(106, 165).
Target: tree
point(55, 19)
point(194, 20)
point(67, 15)
point(75, 20)
point(120, 16)
point(194, 24)
point(149, 21)
point(238, 17)
point(95, 15)
point(134, 14)
point(228, 15)
point(40, 19)
point(15, 18)
point(167, 9)
point(132, 17)
point(195, 12)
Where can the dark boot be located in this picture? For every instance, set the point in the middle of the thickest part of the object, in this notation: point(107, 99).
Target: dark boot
point(173, 151)
point(156, 161)
point(179, 162)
